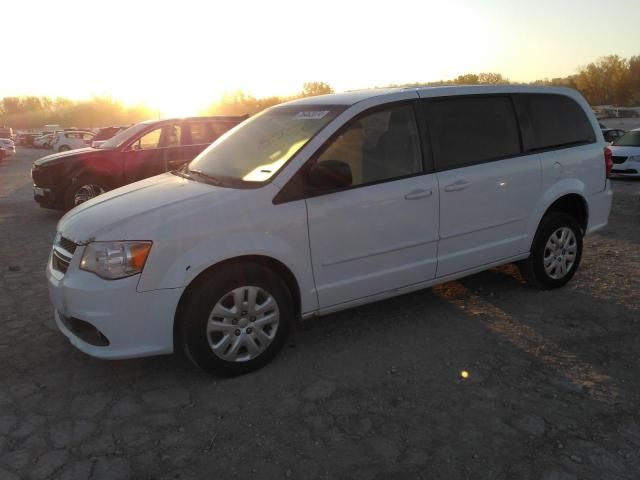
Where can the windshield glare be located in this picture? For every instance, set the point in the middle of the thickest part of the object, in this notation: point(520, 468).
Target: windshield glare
point(258, 148)
point(629, 139)
point(118, 139)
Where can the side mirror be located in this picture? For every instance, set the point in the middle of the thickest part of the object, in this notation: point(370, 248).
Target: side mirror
point(330, 174)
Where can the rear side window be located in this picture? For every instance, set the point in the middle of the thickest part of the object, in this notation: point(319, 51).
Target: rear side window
point(552, 121)
point(468, 130)
point(201, 132)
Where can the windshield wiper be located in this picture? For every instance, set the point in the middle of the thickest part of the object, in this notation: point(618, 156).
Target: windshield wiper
point(182, 172)
point(208, 178)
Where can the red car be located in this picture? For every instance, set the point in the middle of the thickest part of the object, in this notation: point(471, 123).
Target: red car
point(64, 180)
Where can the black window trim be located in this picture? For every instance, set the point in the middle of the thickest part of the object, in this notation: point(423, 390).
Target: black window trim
point(295, 187)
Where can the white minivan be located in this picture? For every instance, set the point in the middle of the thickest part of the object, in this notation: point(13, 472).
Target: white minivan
point(325, 203)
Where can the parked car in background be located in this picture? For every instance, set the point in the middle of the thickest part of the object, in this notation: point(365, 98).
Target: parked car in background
point(64, 180)
point(326, 203)
point(21, 139)
point(43, 141)
point(6, 132)
point(7, 148)
point(71, 140)
point(611, 134)
point(105, 134)
point(627, 113)
point(625, 154)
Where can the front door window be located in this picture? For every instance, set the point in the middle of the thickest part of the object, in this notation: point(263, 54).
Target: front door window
point(148, 141)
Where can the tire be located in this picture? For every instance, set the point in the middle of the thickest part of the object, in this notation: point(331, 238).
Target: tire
point(64, 148)
point(561, 264)
point(91, 185)
point(217, 344)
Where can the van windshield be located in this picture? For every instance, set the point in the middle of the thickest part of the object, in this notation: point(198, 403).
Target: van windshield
point(254, 151)
point(629, 139)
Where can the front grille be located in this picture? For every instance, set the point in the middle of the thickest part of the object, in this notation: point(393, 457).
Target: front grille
point(63, 250)
point(59, 261)
point(618, 159)
point(628, 171)
point(68, 245)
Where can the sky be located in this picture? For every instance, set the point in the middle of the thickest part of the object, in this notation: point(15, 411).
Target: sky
point(179, 56)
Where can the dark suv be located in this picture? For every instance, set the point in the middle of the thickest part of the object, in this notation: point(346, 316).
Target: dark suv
point(64, 180)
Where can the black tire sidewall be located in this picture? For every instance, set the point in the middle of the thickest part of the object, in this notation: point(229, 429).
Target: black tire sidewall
point(77, 183)
point(550, 224)
point(204, 296)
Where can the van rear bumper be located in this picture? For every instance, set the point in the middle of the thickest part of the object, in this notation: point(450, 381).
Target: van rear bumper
point(599, 208)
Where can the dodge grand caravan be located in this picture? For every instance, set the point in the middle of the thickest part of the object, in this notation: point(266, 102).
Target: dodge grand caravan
point(66, 179)
point(325, 203)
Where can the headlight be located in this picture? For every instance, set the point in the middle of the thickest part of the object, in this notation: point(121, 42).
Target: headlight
point(634, 158)
point(112, 260)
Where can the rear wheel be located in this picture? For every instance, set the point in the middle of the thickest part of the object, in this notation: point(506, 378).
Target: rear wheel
point(236, 320)
point(555, 253)
point(84, 188)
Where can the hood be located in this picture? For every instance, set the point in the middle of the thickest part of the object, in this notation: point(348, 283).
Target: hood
point(624, 151)
point(121, 213)
point(54, 158)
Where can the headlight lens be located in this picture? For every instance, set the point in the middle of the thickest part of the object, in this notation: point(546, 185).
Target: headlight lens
point(112, 260)
point(634, 158)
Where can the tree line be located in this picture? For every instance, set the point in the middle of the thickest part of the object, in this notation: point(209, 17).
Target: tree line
point(611, 80)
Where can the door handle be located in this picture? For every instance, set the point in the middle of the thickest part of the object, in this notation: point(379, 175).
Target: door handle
point(459, 185)
point(418, 193)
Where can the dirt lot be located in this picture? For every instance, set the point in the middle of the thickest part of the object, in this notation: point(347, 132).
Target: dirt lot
point(374, 392)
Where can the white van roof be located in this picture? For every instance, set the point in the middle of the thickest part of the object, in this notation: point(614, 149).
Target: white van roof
point(351, 98)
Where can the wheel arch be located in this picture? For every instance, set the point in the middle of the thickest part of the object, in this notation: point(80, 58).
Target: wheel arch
point(75, 174)
point(568, 196)
point(270, 263)
point(574, 205)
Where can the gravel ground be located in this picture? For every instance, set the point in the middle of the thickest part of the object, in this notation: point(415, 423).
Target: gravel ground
point(372, 393)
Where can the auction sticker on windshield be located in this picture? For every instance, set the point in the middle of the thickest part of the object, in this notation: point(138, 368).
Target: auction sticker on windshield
point(311, 115)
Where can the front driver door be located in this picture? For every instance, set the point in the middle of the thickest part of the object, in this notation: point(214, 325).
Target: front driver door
point(145, 157)
point(381, 233)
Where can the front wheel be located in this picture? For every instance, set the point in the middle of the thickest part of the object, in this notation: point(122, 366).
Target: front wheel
point(82, 189)
point(555, 253)
point(236, 319)
point(64, 148)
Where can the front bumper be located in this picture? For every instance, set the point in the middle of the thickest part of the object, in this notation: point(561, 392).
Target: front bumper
point(626, 169)
point(133, 324)
point(46, 198)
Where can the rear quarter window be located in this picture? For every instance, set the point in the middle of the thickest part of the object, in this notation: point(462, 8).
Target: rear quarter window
point(552, 121)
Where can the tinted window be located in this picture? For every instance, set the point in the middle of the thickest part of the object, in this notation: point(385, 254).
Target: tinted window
point(552, 121)
point(221, 127)
point(467, 130)
point(207, 132)
point(629, 139)
point(378, 146)
point(201, 132)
